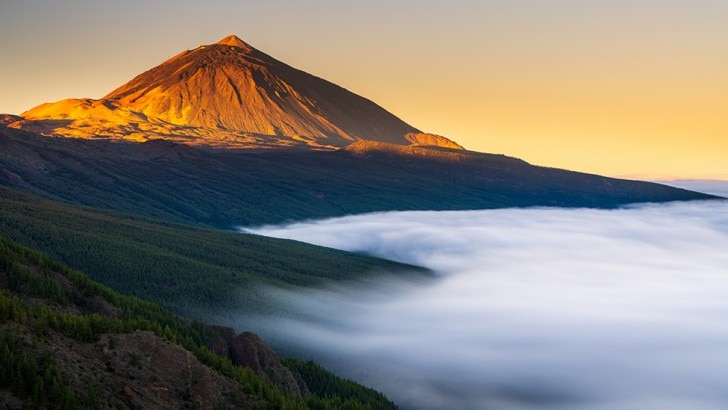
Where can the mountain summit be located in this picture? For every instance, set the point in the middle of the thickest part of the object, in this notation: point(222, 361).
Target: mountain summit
point(227, 94)
point(235, 41)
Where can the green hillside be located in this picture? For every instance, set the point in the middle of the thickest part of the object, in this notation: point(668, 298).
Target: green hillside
point(68, 342)
point(192, 271)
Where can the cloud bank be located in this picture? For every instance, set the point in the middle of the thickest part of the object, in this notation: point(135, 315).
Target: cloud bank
point(532, 308)
point(713, 187)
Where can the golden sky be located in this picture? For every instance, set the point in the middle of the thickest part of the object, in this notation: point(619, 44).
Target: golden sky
point(624, 88)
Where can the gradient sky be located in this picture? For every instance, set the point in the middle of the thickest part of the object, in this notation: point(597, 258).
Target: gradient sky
point(621, 87)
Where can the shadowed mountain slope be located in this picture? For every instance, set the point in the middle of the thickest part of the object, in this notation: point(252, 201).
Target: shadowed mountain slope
point(225, 188)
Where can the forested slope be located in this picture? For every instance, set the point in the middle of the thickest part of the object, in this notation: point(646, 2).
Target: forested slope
point(192, 271)
point(68, 342)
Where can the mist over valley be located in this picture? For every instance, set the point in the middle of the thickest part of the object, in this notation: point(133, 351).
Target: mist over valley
point(530, 309)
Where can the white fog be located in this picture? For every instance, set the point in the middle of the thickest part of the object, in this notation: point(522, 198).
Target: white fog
point(530, 309)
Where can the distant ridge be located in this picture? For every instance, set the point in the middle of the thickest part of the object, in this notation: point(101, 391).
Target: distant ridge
point(227, 94)
point(223, 188)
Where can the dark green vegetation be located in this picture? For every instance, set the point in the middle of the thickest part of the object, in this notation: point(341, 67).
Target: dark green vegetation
point(325, 384)
point(48, 312)
point(226, 188)
point(194, 272)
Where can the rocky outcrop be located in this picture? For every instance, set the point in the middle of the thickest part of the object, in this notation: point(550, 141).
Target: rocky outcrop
point(137, 370)
point(422, 138)
point(6, 119)
point(367, 149)
point(248, 350)
point(222, 341)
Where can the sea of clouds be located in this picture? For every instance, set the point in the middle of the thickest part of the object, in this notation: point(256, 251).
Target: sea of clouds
point(540, 308)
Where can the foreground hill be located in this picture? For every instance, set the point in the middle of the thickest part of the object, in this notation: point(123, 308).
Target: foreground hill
point(67, 342)
point(225, 188)
point(226, 94)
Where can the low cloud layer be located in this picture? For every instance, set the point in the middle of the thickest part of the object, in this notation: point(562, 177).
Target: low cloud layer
point(719, 188)
point(531, 309)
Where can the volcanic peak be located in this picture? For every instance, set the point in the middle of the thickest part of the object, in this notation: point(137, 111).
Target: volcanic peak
point(228, 95)
point(234, 41)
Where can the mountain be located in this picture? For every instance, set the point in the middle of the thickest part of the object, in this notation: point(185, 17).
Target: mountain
point(227, 94)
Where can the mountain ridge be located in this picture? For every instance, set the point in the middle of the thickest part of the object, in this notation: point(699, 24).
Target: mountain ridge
point(227, 188)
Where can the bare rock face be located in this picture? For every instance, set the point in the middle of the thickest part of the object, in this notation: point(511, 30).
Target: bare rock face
point(366, 149)
point(139, 370)
point(6, 119)
point(224, 337)
point(226, 95)
point(249, 350)
point(421, 138)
